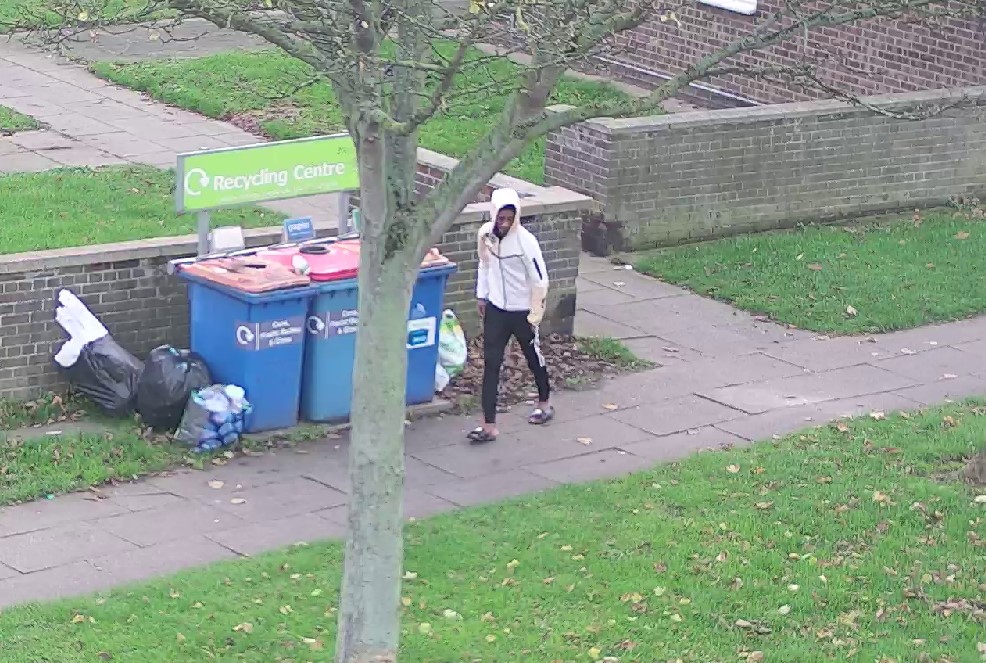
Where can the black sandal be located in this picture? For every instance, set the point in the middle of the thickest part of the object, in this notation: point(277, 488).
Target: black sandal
point(540, 416)
point(480, 436)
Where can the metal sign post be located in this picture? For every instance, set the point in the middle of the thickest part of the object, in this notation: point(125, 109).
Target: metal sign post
point(205, 222)
point(345, 223)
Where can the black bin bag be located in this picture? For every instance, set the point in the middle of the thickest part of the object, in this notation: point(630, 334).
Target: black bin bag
point(169, 378)
point(107, 375)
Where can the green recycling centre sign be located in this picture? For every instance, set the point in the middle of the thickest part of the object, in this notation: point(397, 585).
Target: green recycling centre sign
point(214, 179)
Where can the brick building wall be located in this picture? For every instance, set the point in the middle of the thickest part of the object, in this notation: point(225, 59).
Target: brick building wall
point(127, 287)
point(702, 174)
point(866, 58)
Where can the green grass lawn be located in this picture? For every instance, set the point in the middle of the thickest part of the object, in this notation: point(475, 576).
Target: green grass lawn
point(259, 85)
point(842, 280)
point(20, 14)
point(91, 451)
point(11, 121)
point(81, 207)
point(32, 468)
point(832, 545)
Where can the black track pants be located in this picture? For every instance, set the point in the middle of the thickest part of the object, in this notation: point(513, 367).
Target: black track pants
point(498, 327)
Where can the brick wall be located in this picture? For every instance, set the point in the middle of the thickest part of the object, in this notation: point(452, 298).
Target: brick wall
point(872, 57)
point(127, 287)
point(702, 174)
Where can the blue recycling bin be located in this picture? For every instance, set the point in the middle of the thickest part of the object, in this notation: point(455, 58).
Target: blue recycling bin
point(330, 351)
point(255, 341)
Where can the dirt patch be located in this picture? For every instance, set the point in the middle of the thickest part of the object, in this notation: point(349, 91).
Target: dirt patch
point(573, 364)
point(252, 121)
point(975, 470)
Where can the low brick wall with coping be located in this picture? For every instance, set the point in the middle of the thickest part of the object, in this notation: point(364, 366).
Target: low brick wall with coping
point(701, 174)
point(127, 287)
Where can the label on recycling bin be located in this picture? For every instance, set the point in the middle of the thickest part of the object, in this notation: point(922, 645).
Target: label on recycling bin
point(270, 334)
point(421, 332)
point(334, 323)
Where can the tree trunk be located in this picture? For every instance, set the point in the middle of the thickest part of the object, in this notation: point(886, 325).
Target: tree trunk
point(369, 619)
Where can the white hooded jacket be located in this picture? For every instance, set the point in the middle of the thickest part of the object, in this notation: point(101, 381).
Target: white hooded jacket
point(512, 274)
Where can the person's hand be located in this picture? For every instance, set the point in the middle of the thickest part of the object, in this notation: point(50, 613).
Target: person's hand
point(481, 307)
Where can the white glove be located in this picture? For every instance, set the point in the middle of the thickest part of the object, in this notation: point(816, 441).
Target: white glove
point(537, 306)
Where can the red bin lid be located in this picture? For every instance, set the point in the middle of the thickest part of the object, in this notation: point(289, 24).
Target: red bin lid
point(326, 262)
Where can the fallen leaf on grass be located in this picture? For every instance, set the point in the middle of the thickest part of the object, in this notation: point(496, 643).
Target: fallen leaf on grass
point(962, 234)
point(980, 499)
point(851, 312)
point(313, 643)
point(180, 637)
point(877, 416)
point(814, 266)
point(424, 628)
point(784, 609)
point(594, 652)
point(733, 469)
point(755, 657)
point(245, 627)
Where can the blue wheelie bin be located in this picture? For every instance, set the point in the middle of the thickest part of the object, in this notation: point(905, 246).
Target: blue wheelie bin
point(330, 351)
point(255, 341)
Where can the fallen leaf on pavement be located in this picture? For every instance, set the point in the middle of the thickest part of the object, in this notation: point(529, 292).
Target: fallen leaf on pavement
point(216, 485)
point(237, 500)
point(584, 440)
point(610, 406)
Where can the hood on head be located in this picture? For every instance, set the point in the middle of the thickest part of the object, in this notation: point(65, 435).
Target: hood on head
point(502, 198)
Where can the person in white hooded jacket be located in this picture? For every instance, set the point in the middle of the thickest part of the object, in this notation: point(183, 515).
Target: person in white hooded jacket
point(511, 289)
